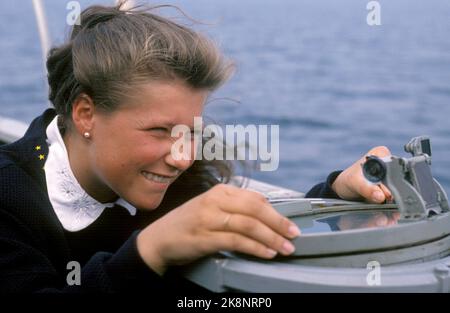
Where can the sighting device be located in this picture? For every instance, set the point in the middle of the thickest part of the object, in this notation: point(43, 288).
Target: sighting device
point(417, 194)
point(342, 241)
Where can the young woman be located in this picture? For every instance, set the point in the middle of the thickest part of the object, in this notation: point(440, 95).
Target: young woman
point(93, 179)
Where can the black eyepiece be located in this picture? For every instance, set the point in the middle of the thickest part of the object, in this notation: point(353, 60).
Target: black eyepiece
point(374, 169)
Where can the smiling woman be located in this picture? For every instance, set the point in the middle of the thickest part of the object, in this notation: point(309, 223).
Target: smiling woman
point(93, 180)
point(140, 167)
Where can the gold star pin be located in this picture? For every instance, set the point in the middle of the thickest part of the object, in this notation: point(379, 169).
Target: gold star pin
point(41, 156)
point(38, 148)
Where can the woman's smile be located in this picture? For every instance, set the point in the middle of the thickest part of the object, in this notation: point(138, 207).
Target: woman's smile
point(160, 180)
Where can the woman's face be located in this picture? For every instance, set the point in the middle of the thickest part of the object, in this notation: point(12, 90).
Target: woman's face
point(130, 150)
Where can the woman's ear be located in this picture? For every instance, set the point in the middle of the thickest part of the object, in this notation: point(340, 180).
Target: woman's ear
point(82, 114)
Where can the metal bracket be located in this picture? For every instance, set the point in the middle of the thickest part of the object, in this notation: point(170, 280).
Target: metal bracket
point(417, 194)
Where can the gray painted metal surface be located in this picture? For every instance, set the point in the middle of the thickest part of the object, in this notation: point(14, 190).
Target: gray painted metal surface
point(222, 274)
point(337, 261)
point(412, 254)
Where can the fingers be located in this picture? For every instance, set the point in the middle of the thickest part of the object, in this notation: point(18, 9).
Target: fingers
point(240, 243)
point(352, 185)
point(380, 151)
point(252, 224)
point(258, 231)
point(373, 193)
point(255, 205)
point(387, 192)
point(367, 190)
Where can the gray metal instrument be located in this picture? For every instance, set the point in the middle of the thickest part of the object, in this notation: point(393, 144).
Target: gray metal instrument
point(417, 194)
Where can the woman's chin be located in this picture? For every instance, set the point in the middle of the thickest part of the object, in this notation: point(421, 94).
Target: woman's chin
point(149, 203)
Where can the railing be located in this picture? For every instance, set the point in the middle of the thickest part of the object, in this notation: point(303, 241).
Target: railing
point(44, 35)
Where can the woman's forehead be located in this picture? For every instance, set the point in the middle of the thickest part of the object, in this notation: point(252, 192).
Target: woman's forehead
point(166, 103)
point(173, 92)
point(169, 121)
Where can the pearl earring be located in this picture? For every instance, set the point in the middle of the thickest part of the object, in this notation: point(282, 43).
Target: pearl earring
point(87, 135)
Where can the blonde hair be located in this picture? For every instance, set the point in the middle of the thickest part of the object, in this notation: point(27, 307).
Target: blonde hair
point(115, 49)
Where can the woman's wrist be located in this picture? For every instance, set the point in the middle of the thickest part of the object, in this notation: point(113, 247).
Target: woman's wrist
point(149, 254)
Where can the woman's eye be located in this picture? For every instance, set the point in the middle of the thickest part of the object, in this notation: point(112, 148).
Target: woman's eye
point(161, 129)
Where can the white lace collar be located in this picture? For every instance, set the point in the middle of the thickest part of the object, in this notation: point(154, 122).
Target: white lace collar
point(74, 208)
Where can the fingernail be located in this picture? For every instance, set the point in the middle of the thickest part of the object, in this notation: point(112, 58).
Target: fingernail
point(288, 247)
point(377, 196)
point(293, 231)
point(271, 253)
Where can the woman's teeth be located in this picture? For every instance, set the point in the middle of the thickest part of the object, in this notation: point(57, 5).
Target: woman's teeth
point(157, 178)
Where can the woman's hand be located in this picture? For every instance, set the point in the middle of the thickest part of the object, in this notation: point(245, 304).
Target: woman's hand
point(352, 185)
point(223, 218)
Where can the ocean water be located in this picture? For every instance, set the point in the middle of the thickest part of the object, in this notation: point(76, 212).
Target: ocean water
point(335, 85)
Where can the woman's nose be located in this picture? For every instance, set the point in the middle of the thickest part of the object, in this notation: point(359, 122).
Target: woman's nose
point(180, 161)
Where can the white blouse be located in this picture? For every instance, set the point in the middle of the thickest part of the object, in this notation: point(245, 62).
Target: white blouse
point(74, 208)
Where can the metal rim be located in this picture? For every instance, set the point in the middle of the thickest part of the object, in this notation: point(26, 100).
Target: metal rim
point(366, 240)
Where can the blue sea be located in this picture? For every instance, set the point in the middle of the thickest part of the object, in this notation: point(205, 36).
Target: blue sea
point(335, 85)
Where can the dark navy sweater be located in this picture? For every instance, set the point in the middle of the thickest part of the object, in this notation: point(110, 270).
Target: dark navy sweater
point(35, 249)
